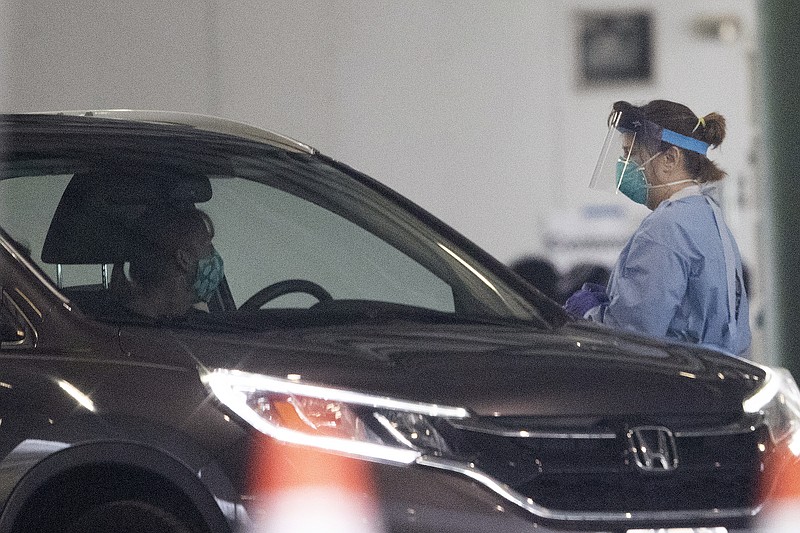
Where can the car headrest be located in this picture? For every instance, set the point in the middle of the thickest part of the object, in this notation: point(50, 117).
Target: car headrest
point(93, 223)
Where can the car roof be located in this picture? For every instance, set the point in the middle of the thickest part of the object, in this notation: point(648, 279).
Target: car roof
point(193, 120)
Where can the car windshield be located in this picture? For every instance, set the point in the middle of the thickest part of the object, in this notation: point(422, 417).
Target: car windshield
point(301, 237)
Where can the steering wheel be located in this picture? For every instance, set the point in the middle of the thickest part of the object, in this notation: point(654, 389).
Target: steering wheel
point(270, 292)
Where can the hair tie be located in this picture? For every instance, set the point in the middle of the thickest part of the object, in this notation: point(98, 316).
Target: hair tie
point(700, 122)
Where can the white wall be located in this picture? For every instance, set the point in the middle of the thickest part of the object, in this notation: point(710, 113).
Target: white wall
point(472, 108)
point(94, 54)
point(5, 59)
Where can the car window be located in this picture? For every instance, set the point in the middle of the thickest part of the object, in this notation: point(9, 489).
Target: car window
point(266, 236)
point(282, 219)
point(27, 206)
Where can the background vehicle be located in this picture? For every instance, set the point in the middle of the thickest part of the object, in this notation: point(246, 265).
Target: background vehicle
point(388, 336)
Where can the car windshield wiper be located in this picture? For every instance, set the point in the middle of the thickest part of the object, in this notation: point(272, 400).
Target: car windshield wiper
point(328, 313)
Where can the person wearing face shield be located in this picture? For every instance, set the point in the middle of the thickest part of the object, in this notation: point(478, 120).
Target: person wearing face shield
point(680, 274)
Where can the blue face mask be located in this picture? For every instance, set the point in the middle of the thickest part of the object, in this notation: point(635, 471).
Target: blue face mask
point(209, 274)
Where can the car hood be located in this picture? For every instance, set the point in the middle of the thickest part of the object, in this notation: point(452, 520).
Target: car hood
point(498, 370)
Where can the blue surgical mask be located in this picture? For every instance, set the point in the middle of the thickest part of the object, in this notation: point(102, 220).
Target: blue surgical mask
point(209, 275)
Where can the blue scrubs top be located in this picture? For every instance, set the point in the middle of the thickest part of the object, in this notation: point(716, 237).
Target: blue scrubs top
point(671, 279)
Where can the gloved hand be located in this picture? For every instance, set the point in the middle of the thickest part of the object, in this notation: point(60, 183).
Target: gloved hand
point(590, 296)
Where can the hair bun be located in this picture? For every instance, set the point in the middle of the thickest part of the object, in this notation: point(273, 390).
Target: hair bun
point(713, 131)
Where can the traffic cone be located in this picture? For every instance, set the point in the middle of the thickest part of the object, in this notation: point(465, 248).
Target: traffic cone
point(304, 490)
point(780, 487)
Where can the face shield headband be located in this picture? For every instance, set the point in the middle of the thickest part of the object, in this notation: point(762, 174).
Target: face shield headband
point(631, 140)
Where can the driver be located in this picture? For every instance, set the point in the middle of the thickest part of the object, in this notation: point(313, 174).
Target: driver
point(176, 268)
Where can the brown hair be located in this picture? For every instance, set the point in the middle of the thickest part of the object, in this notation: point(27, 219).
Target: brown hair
point(680, 119)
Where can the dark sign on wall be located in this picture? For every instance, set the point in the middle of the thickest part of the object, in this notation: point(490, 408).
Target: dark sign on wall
point(615, 47)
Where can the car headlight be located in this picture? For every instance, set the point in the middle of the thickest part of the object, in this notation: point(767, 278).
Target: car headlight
point(778, 401)
point(351, 423)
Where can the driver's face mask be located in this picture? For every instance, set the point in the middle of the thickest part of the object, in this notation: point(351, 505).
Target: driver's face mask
point(208, 277)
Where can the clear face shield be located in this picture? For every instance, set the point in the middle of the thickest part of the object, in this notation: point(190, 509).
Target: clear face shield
point(631, 142)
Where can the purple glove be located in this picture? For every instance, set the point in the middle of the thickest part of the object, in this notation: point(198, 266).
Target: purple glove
point(591, 295)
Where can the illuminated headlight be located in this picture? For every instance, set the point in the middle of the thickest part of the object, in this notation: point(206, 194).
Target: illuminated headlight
point(351, 423)
point(778, 401)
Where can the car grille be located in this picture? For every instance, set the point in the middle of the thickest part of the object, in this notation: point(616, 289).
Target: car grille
point(598, 473)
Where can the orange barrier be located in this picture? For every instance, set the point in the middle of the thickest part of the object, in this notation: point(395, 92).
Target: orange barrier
point(303, 490)
point(780, 485)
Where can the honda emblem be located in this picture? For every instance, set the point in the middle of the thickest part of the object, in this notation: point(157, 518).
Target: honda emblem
point(653, 448)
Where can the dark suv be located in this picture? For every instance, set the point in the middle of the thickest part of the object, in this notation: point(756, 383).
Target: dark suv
point(349, 320)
